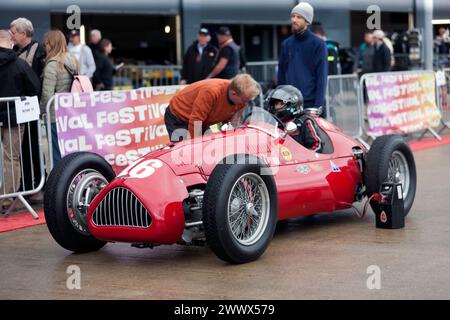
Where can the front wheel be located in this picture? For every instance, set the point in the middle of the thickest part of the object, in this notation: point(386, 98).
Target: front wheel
point(71, 187)
point(391, 160)
point(239, 211)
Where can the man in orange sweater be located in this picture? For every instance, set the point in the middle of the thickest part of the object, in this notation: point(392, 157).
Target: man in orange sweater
point(207, 102)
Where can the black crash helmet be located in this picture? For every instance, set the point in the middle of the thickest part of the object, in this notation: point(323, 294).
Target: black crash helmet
point(292, 100)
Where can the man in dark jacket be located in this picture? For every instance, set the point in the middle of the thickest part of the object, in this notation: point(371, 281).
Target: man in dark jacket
point(382, 54)
point(303, 59)
point(228, 61)
point(334, 66)
point(34, 54)
point(199, 59)
point(17, 79)
point(26, 48)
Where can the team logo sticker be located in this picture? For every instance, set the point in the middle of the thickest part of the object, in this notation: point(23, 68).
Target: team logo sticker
point(383, 217)
point(334, 167)
point(303, 169)
point(285, 153)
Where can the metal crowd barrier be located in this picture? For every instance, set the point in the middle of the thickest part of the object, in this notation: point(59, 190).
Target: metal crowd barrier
point(444, 101)
point(133, 77)
point(264, 72)
point(343, 108)
point(12, 164)
point(441, 61)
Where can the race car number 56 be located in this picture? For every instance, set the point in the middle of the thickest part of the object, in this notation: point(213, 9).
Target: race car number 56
point(141, 169)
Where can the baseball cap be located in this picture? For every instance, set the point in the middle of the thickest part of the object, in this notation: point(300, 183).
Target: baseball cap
point(74, 33)
point(379, 34)
point(204, 31)
point(224, 31)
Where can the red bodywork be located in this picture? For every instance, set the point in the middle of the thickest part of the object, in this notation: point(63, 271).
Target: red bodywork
point(307, 182)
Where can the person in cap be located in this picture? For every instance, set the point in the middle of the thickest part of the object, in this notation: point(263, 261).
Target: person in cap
point(303, 60)
point(228, 61)
point(83, 54)
point(195, 108)
point(382, 54)
point(198, 61)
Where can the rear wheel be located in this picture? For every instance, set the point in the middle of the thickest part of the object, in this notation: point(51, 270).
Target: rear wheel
point(239, 220)
point(391, 160)
point(71, 187)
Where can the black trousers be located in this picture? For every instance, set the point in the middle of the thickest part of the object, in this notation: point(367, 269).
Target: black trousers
point(30, 159)
point(172, 124)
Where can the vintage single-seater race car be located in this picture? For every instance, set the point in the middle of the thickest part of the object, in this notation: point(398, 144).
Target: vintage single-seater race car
point(226, 189)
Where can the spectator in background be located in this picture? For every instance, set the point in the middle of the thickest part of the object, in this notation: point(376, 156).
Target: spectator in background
point(303, 59)
point(103, 77)
point(34, 54)
point(332, 49)
point(442, 41)
point(199, 59)
point(26, 48)
point(60, 66)
point(366, 52)
point(442, 46)
point(83, 54)
point(227, 61)
point(382, 54)
point(17, 79)
point(94, 44)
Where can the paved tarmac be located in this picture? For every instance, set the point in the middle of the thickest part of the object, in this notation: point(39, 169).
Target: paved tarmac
point(324, 257)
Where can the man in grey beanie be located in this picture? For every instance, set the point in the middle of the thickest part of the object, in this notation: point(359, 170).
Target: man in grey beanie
point(303, 60)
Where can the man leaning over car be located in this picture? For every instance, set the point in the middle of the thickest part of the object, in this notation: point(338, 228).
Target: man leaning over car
point(207, 102)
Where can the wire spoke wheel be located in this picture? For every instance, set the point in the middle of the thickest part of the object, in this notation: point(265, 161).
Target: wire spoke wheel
point(398, 171)
point(248, 209)
point(390, 159)
point(82, 190)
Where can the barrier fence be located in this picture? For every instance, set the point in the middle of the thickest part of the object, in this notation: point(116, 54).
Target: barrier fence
point(16, 169)
point(133, 77)
point(349, 106)
point(265, 72)
point(342, 103)
point(444, 99)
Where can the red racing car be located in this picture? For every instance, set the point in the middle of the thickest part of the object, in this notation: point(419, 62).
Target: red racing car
point(225, 189)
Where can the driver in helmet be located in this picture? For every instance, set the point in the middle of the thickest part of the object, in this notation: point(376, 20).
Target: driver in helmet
point(286, 103)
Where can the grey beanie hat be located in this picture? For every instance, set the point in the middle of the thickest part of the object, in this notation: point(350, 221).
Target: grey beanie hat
point(305, 10)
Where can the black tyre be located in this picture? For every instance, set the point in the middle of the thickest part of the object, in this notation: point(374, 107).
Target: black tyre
point(390, 159)
point(240, 208)
point(70, 188)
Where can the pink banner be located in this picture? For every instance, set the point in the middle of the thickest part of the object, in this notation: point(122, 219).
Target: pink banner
point(121, 126)
point(401, 103)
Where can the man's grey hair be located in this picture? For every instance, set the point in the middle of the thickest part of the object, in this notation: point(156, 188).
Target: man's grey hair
point(23, 25)
point(97, 33)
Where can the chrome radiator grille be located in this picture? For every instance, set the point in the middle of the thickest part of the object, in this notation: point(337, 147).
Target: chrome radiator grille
point(121, 208)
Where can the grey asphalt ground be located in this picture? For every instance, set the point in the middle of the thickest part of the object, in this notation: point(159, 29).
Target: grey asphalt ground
point(324, 257)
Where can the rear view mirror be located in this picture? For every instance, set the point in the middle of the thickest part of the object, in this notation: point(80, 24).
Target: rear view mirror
point(291, 127)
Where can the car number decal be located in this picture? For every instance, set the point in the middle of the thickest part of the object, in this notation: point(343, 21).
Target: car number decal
point(141, 169)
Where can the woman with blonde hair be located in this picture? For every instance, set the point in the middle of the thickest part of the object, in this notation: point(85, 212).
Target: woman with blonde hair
point(60, 66)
